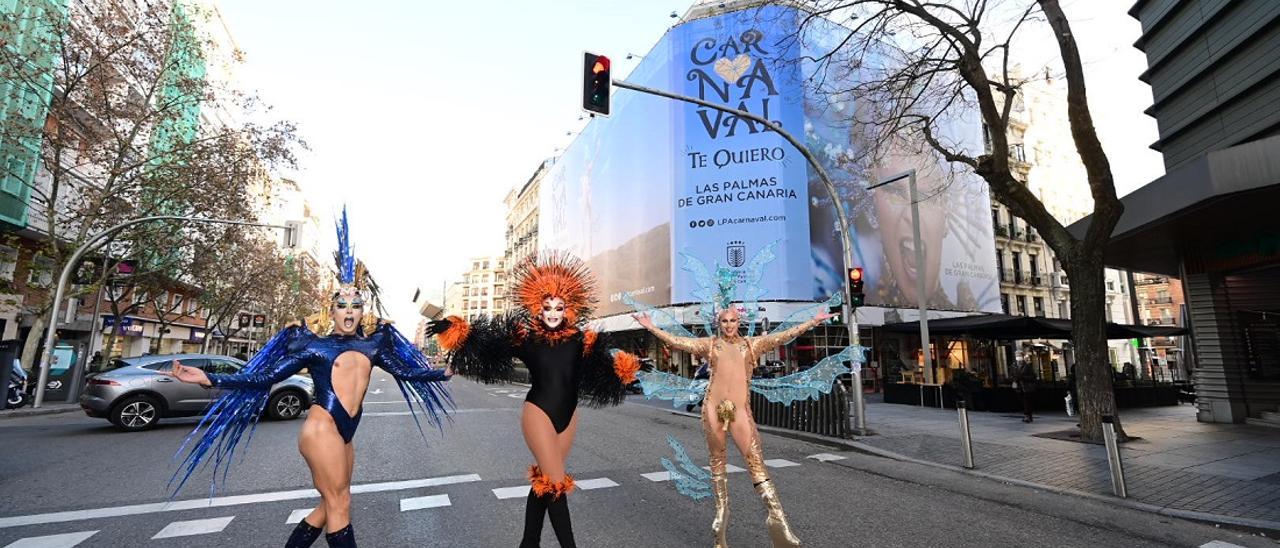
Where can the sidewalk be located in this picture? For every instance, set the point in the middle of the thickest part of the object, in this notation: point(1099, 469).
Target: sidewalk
point(46, 409)
point(1230, 470)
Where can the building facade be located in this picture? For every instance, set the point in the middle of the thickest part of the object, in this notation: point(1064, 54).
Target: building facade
point(522, 218)
point(484, 288)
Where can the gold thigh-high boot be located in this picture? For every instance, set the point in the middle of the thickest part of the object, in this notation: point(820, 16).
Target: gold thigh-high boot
point(779, 528)
point(719, 481)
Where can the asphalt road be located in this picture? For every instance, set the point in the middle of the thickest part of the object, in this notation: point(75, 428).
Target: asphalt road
point(77, 477)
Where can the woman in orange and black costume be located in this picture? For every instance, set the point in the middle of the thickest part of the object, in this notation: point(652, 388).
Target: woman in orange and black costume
point(566, 362)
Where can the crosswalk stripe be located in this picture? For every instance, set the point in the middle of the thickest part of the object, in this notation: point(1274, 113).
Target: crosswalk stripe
point(728, 468)
point(1220, 544)
point(511, 492)
point(780, 463)
point(422, 503)
point(657, 476)
point(64, 540)
point(194, 527)
point(297, 515)
point(217, 502)
point(597, 483)
point(825, 457)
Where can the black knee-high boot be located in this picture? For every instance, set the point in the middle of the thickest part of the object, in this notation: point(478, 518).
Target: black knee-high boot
point(342, 538)
point(304, 535)
point(535, 512)
point(558, 511)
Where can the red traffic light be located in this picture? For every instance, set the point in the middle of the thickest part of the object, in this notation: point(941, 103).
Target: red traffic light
point(601, 65)
point(855, 274)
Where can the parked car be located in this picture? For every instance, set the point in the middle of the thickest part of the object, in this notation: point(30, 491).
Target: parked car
point(135, 393)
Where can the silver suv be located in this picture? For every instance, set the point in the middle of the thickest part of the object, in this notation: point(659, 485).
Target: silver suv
point(135, 393)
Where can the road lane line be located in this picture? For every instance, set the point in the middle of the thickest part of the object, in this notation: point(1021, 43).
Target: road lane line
point(218, 502)
point(65, 540)
point(422, 503)
point(194, 527)
point(511, 492)
point(597, 483)
point(825, 457)
point(780, 463)
point(657, 476)
point(297, 515)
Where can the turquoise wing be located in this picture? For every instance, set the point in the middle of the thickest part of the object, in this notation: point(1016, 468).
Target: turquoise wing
point(811, 383)
point(661, 318)
point(665, 386)
point(749, 288)
point(690, 480)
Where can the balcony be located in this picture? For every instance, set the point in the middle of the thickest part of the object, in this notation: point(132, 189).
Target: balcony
point(1034, 279)
point(1160, 300)
point(1006, 274)
point(1151, 280)
point(1161, 321)
point(1001, 231)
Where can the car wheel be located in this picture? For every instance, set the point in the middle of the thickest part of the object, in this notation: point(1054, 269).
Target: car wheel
point(136, 413)
point(285, 405)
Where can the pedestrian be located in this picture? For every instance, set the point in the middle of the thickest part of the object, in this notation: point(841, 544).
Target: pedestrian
point(340, 364)
point(1024, 383)
point(565, 362)
point(731, 358)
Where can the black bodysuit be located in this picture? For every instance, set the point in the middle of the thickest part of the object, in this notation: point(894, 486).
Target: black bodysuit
point(563, 368)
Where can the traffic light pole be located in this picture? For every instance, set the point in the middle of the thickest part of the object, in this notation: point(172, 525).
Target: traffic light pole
point(58, 293)
point(850, 313)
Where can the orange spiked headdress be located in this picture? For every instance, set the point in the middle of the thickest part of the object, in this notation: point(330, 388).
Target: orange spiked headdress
point(556, 275)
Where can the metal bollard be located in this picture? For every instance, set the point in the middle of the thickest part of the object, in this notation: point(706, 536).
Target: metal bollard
point(966, 441)
point(1113, 457)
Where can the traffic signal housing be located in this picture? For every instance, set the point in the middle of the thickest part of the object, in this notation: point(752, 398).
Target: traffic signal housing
point(597, 84)
point(856, 296)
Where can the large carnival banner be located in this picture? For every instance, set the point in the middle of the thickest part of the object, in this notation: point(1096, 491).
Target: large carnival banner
point(661, 177)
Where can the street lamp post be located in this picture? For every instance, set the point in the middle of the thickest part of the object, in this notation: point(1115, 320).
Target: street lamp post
point(51, 332)
point(922, 300)
point(850, 313)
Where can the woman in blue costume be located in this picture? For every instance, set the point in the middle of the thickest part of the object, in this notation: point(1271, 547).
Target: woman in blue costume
point(566, 362)
point(340, 364)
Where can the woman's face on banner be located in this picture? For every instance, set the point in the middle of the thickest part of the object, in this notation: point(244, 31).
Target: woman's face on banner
point(893, 209)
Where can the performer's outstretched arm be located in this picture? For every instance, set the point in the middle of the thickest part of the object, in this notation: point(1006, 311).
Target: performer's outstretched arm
point(483, 349)
point(695, 346)
point(765, 343)
point(606, 372)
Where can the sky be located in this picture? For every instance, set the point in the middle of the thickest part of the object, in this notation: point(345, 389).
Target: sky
point(421, 116)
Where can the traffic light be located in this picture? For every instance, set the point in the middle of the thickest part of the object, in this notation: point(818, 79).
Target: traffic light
point(856, 296)
point(596, 84)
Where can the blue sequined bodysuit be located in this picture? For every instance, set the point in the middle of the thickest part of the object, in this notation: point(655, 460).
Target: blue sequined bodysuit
point(318, 355)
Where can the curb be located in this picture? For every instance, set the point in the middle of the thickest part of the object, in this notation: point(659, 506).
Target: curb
point(1259, 524)
point(28, 412)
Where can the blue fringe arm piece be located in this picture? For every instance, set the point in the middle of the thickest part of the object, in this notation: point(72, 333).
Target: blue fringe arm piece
point(805, 314)
point(661, 318)
point(812, 382)
point(419, 382)
point(235, 414)
point(689, 479)
point(665, 386)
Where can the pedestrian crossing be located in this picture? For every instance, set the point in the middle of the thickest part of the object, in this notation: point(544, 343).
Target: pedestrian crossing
point(213, 525)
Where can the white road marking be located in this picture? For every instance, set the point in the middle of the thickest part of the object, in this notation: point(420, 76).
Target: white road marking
point(780, 463)
point(1220, 544)
point(728, 468)
point(218, 502)
point(376, 391)
point(657, 476)
point(511, 492)
point(65, 540)
point(515, 396)
point(825, 457)
point(194, 527)
point(451, 412)
point(597, 483)
point(421, 503)
point(297, 515)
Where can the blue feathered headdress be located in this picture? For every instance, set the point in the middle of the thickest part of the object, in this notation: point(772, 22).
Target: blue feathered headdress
point(345, 259)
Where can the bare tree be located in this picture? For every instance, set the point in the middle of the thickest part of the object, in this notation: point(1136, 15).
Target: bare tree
point(919, 64)
point(132, 127)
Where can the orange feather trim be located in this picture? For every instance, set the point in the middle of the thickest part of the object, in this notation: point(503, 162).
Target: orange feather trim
point(588, 341)
point(457, 333)
point(555, 275)
point(625, 365)
point(542, 485)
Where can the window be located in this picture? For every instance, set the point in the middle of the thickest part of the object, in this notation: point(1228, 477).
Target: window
point(1000, 266)
point(995, 217)
point(8, 262)
point(177, 302)
point(1022, 305)
point(1004, 302)
point(1063, 310)
point(1038, 304)
point(1035, 265)
point(162, 301)
point(15, 174)
point(1017, 267)
point(41, 272)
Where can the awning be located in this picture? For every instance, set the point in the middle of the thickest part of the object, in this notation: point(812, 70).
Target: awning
point(1004, 327)
point(1220, 207)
